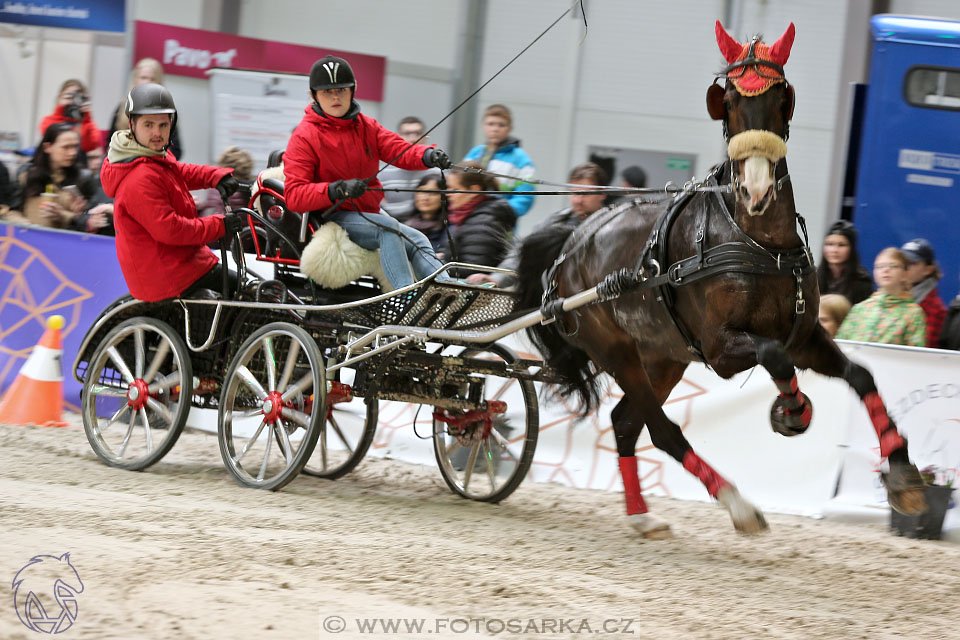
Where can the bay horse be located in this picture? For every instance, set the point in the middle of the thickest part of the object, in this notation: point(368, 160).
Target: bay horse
point(721, 276)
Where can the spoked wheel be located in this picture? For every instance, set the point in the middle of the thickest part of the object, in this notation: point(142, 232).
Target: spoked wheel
point(349, 426)
point(136, 394)
point(484, 455)
point(271, 407)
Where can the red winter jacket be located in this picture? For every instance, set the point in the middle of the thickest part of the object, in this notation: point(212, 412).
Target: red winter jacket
point(90, 136)
point(325, 149)
point(161, 243)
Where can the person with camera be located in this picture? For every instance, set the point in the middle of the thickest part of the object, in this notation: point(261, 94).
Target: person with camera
point(161, 241)
point(73, 107)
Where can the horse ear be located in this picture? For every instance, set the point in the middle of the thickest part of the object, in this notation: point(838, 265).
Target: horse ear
point(780, 50)
point(729, 46)
point(715, 106)
point(789, 103)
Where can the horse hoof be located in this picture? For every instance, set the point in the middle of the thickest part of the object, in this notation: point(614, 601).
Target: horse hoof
point(747, 519)
point(649, 527)
point(791, 422)
point(905, 489)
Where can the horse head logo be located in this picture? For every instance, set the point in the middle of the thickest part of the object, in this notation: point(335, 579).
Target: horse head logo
point(45, 594)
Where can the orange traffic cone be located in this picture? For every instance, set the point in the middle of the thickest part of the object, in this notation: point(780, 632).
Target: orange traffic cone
point(36, 396)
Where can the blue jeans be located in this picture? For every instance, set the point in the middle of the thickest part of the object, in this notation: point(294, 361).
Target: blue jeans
point(402, 248)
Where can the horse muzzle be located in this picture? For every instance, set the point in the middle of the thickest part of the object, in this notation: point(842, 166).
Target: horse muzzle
point(760, 150)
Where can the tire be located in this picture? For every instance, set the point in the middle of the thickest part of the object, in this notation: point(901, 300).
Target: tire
point(138, 354)
point(347, 432)
point(507, 452)
point(279, 359)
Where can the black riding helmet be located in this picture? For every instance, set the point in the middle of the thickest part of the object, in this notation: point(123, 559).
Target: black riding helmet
point(331, 72)
point(149, 99)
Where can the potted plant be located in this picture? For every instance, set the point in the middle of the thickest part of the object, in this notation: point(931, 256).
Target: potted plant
point(937, 492)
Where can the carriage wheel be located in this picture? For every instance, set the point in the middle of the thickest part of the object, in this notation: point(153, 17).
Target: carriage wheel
point(350, 423)
point(487, 458)
point(271, 406)
point(136, 394)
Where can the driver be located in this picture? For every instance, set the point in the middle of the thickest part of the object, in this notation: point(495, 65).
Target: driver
point(161, 243)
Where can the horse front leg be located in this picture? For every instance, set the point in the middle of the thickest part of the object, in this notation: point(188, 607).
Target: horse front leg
point(903, 481)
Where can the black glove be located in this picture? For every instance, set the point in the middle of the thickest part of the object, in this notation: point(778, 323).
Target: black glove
point(436, 157)
point(343, 189)
point(227, 186)
point(232, 223)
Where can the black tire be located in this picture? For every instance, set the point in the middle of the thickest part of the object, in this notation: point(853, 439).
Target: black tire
point(506, 466)
point(138, 350)
point(302, 378)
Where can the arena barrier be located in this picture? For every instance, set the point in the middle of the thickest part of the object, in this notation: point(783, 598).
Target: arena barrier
point(828, 471)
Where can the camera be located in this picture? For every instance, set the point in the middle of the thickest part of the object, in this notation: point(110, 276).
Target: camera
point(72, 110)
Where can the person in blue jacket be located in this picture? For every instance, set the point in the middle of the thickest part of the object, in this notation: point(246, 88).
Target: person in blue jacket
point(502, 154)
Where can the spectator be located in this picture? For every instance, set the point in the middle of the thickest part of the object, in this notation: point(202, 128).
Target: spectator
point(400, 204)
point(97, 217)
point(332, 158)
point(840, 270)
point(51, 197)
point(833, 310)
point(923, 274)
point(633, 177)
point(428, 214)
point(890, 315)
point(479, 224)
point(160, 239)
point(582, 206)
point(950, 335)
point(147, 70)
point(502, 154)
point(73, 108)
point(9, 189)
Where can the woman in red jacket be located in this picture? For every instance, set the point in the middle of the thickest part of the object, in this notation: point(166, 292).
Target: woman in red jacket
point(161, 243)
point(73, 107)
point(332, 158)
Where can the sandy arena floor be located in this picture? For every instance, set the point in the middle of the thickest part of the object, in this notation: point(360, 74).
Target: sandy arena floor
point(181, 551)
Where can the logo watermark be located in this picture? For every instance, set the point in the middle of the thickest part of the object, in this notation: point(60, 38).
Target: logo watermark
point(335, 624)
point(45, 594)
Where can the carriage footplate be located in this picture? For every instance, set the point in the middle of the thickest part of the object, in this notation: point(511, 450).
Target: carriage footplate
point(473, 424)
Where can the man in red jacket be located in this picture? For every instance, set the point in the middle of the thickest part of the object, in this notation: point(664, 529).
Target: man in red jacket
point(331, 159)
point(161, 243)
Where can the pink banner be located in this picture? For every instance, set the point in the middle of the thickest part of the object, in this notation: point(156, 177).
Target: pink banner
point(190, 52)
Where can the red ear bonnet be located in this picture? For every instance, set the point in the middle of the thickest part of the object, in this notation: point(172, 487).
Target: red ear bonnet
point(751, 80)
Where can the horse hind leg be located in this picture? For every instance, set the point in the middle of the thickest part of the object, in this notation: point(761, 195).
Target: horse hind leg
point(668, 437)
point(903, 481)
point(626, 432)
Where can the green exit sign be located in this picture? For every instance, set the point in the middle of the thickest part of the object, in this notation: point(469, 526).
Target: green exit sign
point(678, 164)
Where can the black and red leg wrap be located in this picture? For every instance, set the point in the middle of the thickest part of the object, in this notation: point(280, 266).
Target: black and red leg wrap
point(795, 404)
point(890, 439)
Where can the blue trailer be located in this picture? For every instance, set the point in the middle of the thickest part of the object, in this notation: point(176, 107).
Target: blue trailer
point(908, 169)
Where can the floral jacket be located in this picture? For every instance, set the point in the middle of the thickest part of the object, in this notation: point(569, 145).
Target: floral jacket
point(888, 319)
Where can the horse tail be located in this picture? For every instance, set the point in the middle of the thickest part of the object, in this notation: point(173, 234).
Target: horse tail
point(572, 364)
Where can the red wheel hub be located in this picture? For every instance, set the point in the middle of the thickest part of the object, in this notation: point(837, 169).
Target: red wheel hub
point(137, 394)
point(272, 406)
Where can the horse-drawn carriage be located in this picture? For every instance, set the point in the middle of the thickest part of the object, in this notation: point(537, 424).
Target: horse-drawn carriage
point(296, 371)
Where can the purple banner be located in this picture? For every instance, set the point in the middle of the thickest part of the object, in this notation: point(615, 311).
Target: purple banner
point(43, 273)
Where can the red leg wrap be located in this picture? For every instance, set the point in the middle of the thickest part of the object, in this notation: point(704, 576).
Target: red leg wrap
point(787, 387)
point(631, 485)
point(710, 478)
point(890, 440)
point(807, 414)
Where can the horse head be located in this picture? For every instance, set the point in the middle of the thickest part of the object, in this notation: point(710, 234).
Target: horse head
point(756, 105)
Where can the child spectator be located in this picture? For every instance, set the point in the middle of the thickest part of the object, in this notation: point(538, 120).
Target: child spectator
point(400, 204)
point(73, 108)
point(890, 315)
point(146, 71)
point(840, 270)
point(427, 216)
point(502, 154)
point(923, 274)
point(833, 310)
point(479, 224)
